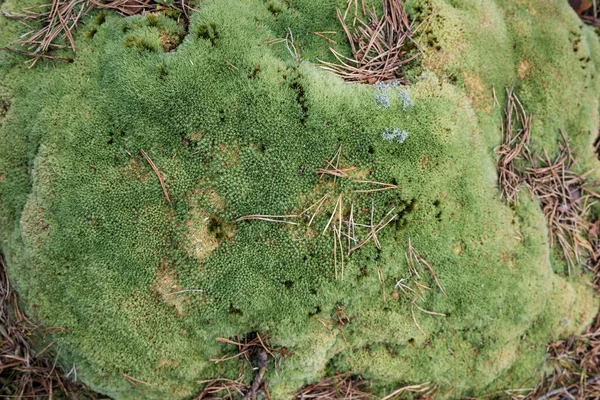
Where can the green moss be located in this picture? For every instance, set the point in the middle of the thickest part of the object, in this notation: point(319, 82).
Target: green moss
point(236, 126)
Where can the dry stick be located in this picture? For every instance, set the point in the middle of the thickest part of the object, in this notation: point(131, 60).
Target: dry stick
point(157, 172)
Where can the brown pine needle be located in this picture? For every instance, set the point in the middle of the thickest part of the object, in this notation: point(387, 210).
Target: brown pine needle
point(412, 254)
point(428, 312)
point(268, 218)
point(322, 35)
point(136, 382)
point(382, 224)
point(382, 280)
point(337, 204)
point(317, 210)
point(412, 311)
point(160, 179)
point(424, 387)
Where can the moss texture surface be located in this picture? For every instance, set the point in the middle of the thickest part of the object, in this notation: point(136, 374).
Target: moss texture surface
point(237, 126)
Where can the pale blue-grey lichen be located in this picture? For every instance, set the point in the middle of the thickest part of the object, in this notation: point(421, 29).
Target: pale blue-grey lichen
point(406, 100)
point(399, 135)
point(382, 98)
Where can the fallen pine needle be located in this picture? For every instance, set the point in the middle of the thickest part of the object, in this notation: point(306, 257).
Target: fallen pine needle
point(160, 179)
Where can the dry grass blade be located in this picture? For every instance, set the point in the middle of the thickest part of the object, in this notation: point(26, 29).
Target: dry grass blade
point(378, 45)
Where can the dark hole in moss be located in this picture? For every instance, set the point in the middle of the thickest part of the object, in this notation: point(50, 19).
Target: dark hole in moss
point(208, 32)
point(100, 18)
point(91, 32)
point(317, 311)
point(140, 43)
point(254, 73)
point(371, 150)
point(110, 141)
point(300, 99)
point(437, 203)
point(597, 145)
point(235, 311)
point(288, 284)
point(438, 216)
point(216, 227)
point(4, 107)
point(273, 9)
point(261, 147)
point(161, 72)
point(313, 292)
point(152, 20)
point(411, 341)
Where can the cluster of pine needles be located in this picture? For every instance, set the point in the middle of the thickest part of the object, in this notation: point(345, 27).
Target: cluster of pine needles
point(565, 195)
point(343, 223)
point(256, 352)
point(352, 387)
point(26, 369)
point(51, 25)
point(575, 369)
point(379, 45)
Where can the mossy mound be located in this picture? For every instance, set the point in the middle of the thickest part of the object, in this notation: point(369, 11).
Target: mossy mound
point(236, 126)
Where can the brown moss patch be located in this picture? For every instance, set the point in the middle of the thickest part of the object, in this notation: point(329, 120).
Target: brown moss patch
point(165, 363)
point(168, 42)
point(523, 69)
point(457, 247)
point(34, 225)
point(134, 170)
point(165, 285)
point(477, 92)
point(231, 155)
